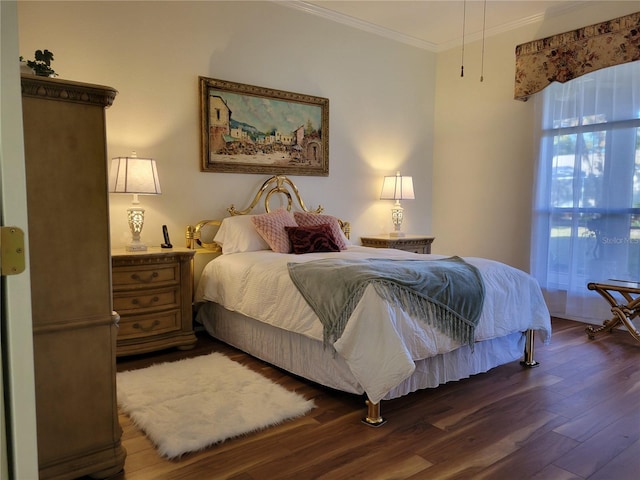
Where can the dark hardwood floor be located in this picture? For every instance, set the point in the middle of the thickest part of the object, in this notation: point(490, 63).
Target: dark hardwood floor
point(576, 416)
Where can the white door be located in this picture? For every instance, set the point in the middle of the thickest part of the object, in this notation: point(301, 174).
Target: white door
point(18, 451)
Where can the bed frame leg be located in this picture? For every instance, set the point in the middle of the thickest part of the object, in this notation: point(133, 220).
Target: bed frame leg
point(528, 361)
point(373, 418)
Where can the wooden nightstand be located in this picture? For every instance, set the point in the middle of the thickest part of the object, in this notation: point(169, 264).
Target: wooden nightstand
point(152, 293)
point(409, 243)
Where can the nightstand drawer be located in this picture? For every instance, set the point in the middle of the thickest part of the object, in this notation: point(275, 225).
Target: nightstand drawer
point(146, 300)
point(414, 248)
point(146, 275)
point(144, 325)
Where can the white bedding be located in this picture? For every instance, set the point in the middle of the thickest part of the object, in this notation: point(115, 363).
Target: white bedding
point(381, 342)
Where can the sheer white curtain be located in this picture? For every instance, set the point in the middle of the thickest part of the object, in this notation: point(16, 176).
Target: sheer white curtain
point(586, 219)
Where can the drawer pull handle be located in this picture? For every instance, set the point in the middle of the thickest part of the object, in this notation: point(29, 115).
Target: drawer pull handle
point(136, 301)
point(151, 277)
point(147, 329)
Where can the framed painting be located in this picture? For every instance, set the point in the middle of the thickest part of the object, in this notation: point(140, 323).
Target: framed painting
point(249, 129)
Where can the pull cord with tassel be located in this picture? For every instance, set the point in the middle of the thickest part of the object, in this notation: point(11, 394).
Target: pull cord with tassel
point(484, 28)
point(464, 18)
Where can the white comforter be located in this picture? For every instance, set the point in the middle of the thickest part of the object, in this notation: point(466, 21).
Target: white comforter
point(380, 342)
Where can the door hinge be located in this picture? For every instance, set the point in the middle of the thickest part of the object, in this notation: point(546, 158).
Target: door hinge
point(11, 250)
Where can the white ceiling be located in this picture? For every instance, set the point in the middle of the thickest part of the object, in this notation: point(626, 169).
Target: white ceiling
point(435, 25)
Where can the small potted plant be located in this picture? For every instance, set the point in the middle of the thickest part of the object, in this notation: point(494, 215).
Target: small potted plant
point(42, 64)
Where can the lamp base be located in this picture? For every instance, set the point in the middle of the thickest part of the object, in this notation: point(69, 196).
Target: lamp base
point(135, 216)
point(136, 247)
point(397, 215)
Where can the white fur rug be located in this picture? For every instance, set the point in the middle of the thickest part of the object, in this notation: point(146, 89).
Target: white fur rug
point(191, 404)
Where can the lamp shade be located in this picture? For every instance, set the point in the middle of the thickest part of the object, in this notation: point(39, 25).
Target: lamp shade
point(134, 175)
point(397, 187)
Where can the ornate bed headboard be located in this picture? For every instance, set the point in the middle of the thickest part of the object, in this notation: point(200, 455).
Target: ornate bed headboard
point(276, 185)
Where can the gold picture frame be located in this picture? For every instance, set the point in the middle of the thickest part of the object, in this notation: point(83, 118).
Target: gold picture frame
point(249, 129)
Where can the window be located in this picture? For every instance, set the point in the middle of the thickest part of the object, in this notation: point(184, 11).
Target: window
point(586, 219)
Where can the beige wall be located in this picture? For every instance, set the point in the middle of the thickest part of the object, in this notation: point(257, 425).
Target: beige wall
point(380, 91)
point(467, 144)
point(483, 143)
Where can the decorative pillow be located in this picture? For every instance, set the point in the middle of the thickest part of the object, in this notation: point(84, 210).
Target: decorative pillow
point(316, 238)
point(238, 234)
point(271, 225)
point(306, 219)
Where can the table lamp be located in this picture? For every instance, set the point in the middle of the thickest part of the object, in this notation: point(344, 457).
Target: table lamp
point(137, 176)
point(397, 188)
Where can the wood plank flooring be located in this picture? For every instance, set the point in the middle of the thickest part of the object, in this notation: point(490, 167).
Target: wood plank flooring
point(577, 416)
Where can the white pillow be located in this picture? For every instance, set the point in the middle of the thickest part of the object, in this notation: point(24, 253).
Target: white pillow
point(238, 234)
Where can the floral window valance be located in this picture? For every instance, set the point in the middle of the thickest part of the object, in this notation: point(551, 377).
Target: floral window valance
point(566, 56)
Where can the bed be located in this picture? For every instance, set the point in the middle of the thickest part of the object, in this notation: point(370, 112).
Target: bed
point(392, 340)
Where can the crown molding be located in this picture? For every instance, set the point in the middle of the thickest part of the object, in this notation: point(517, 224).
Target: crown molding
point(514, 25)
point(66, 91)
point(423, 44)
point(357, 23)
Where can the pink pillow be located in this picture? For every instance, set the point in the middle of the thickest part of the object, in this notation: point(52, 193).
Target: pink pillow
point(306, 219)
point(271, 225)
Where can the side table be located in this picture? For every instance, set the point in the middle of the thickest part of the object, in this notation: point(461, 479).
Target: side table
point(623, 313)
point(152, 293)
point(409, 243)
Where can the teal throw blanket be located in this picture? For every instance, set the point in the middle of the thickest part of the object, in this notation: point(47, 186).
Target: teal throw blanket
point(446, 293)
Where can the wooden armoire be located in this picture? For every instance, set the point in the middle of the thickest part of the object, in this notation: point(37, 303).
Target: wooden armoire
point(74, 327)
